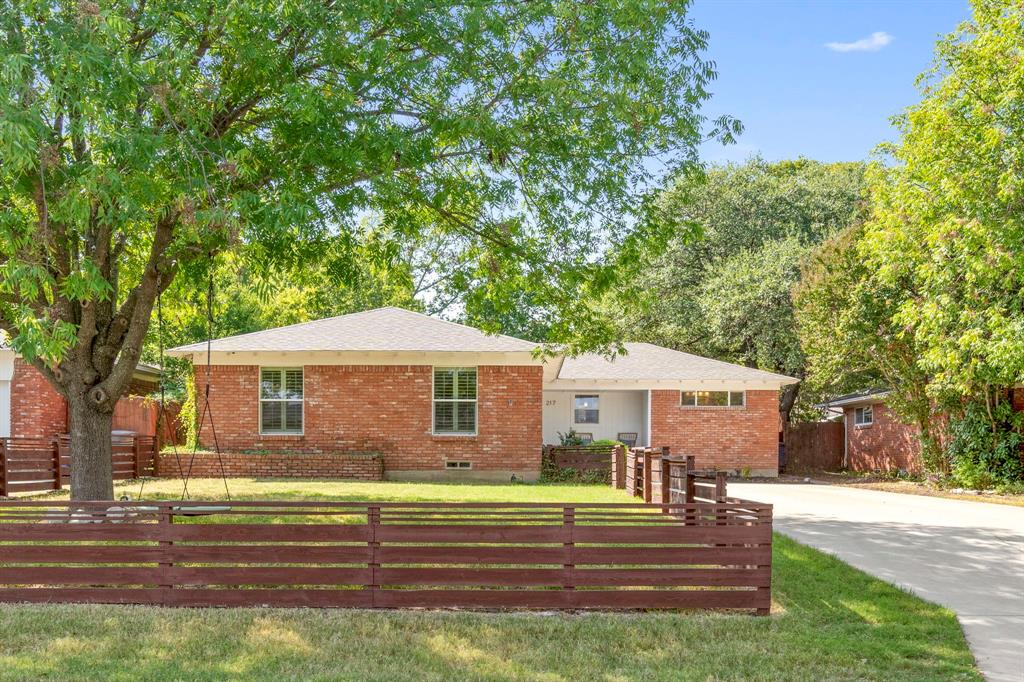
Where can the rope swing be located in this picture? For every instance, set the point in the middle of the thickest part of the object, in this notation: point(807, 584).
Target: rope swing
point(207, 413)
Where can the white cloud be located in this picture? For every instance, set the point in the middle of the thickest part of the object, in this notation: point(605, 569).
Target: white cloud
point(873, 43)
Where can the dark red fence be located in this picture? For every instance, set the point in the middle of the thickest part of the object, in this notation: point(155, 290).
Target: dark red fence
point(386, 555)
point(654, 475)
point(815, 446)
point(36, 464)
point(142, 416)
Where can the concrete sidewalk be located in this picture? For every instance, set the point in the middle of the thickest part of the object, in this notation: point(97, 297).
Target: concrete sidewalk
point(967, 556)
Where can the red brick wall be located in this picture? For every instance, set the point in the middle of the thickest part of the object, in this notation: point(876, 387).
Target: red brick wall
point(387, 409)
point(731, 438)
point(887, 444)
point(276, 465)
point(37, 411)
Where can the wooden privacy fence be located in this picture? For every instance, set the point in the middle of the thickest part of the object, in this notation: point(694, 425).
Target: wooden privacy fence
point(582, 458)
point(142, 416)
point(654, 475)
point(35, 464)
point(387, 555)
point(816, 446)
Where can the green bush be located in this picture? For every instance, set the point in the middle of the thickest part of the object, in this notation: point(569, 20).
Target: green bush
point(985, 450)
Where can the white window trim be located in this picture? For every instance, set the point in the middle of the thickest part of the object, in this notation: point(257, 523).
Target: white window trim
point(434, 401)
point(260, 399)
point(728, 394)
point(586, 395)
point(868, 411)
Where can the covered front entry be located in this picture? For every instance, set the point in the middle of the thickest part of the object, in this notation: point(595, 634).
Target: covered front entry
point(598, 413)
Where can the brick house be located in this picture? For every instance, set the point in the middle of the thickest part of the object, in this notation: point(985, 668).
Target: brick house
point(430, 399)
point(31, 408)
point(875, 438)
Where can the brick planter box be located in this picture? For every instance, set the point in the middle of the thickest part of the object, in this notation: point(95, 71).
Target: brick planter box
point(359, 466)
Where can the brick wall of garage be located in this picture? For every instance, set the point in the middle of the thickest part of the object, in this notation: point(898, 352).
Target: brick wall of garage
point(732, 438)
point(387, 409)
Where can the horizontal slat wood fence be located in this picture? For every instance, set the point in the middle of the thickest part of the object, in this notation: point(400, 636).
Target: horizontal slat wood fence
point(388, 555)
point(35, 464)
point(582, 458)
point(655, 475)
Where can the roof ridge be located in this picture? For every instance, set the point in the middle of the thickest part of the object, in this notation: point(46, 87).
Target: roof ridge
point(458, 324)
point(323, 325)
point(711, 360)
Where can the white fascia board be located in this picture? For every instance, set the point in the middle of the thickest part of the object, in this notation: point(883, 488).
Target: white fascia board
point(304, 358)
point(663, 385)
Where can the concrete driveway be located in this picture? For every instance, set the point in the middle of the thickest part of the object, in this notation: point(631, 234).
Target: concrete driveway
point(967, 556)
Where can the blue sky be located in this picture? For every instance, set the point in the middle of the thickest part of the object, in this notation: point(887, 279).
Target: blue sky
point(797, 97)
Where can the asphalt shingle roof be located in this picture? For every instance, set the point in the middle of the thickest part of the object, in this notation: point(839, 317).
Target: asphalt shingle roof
point(380, 329)
point(645, 361)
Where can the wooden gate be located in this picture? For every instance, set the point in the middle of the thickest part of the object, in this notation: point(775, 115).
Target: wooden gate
point(386, 555)
point(814, 446)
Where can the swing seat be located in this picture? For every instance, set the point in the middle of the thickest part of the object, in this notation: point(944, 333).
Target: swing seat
point(200, 509)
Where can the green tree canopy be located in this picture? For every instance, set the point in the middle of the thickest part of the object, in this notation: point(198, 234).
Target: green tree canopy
point(726, 294)
point(928, 294)
point(140, 139)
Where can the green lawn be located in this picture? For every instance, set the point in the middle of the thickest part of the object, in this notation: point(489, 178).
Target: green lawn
point(829, 621)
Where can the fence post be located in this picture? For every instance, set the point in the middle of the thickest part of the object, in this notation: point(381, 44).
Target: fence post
point(720, 478)
point(666, 476)
point(569, 567)
point(165, 521)
point(56, 464)
point(3, 467)
point(373, 521)
point(619, 466)
point(136, 464)
point(648, 467)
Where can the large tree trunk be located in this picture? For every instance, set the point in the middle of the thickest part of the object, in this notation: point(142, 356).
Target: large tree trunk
point(91, 455)
point(787, 400)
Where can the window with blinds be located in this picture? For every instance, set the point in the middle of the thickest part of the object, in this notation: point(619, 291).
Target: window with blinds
point(455, 400)
point(281, 400)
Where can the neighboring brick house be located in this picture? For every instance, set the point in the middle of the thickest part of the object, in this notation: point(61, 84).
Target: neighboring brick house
point(434, 399)
point(876, 438)
point(31, 408)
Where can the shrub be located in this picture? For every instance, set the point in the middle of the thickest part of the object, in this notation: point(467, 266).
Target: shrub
point(985, 447)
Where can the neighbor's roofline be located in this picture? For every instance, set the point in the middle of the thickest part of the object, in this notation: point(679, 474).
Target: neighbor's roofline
point(870, 397)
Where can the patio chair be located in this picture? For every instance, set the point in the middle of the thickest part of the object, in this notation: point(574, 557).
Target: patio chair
point(586, 438)
point(627, 438)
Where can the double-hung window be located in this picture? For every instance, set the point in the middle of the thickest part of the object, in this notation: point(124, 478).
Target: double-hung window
point(281, 400)
point(864, 416)
point(455, 400)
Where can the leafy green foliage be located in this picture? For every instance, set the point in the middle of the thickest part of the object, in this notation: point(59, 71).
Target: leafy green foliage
point(927, 294)
point(985, 446)
point(140, 139)
point(727, 294)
